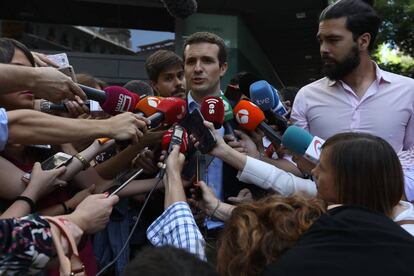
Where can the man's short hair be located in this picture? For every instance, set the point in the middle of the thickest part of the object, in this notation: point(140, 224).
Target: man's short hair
point(160, 61)
point(201, 37)
point(168, 260)
point(360, 17)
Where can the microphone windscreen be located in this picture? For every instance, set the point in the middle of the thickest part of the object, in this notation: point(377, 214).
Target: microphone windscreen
point(228, 110)
point(148, 105)
point(262, 94)
point(212, 109)
point(245, 81)
point(119, 100)
point(180, 8)
point(296, 139)
point(166, 140)
point(139, 87)
point(174, 109)
point(248, 115)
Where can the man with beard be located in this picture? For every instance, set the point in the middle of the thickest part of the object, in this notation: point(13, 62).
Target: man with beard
point(356, 95)
point(166, 73)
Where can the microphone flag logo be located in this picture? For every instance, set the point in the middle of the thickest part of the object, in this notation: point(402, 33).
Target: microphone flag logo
point(211, 105)
point(317, 145)
point(124, 103)
point(242, 116)
point(153, 101)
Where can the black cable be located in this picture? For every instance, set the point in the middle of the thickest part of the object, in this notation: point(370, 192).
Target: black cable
point(132, 230)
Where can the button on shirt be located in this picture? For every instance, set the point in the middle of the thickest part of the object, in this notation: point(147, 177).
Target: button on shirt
point(325, 108)
point(215, 169)
point(4, 131)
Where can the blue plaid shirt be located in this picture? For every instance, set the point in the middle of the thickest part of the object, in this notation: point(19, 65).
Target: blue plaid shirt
point(4, 130)
point(176, 226)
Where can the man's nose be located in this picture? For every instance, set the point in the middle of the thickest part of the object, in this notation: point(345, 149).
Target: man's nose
point(324, 49)
point(198, 66)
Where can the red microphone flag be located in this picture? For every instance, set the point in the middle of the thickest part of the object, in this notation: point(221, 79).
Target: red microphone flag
point(212, 109)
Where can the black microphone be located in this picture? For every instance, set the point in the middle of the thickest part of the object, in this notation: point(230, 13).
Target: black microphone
point(245, 81)
point(180, 8)
point(94, 94)
point(139, 87)
point(46, 106)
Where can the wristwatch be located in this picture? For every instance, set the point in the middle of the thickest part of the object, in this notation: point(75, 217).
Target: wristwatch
point(45, 106)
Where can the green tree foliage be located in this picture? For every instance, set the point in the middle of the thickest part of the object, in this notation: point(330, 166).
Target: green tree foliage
point(397, 32)
point(397, 28)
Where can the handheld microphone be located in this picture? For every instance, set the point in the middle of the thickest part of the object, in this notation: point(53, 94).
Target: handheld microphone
point(228, 117)
point(170, 110)
point(212, 109)
point(180, 8)
point(266, 97)
point(147, 106)
point(119, 100)
point(139, 87)
point(303, 143)
point(176, 135)
point(94, 94)
point(250, 117)
point(47, 106)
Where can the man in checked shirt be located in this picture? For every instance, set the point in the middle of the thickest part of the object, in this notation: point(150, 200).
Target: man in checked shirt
point(176, 225)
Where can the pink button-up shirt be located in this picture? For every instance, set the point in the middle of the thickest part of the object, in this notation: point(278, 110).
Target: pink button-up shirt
point(325, 108)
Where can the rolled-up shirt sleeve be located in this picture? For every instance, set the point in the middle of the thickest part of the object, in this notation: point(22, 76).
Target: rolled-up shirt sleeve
point(4, 130)
point(267, 176)
point(176, 227)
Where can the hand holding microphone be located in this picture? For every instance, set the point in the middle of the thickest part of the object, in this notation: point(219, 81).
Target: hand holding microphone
point(250, 117)
point(306, 148)
point(175, 136)
point(170, 110)
point(126, 126)
point(220, 145)
point(301, 142)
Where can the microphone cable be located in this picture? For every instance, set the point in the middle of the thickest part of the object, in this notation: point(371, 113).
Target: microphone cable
point(132, 230)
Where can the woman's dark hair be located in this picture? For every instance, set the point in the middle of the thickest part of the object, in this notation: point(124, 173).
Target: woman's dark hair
point(8, 47)
point(90, 81)
point(366, 171)
point(360, 18)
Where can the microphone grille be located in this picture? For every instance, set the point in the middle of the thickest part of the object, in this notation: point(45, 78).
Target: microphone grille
point(148, 105)
point(248, 115)
point(212, 109)
point(296, 139)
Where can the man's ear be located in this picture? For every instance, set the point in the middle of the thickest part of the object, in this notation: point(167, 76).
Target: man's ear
point(223, 69)
point(154, 86)
point(363, 41)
